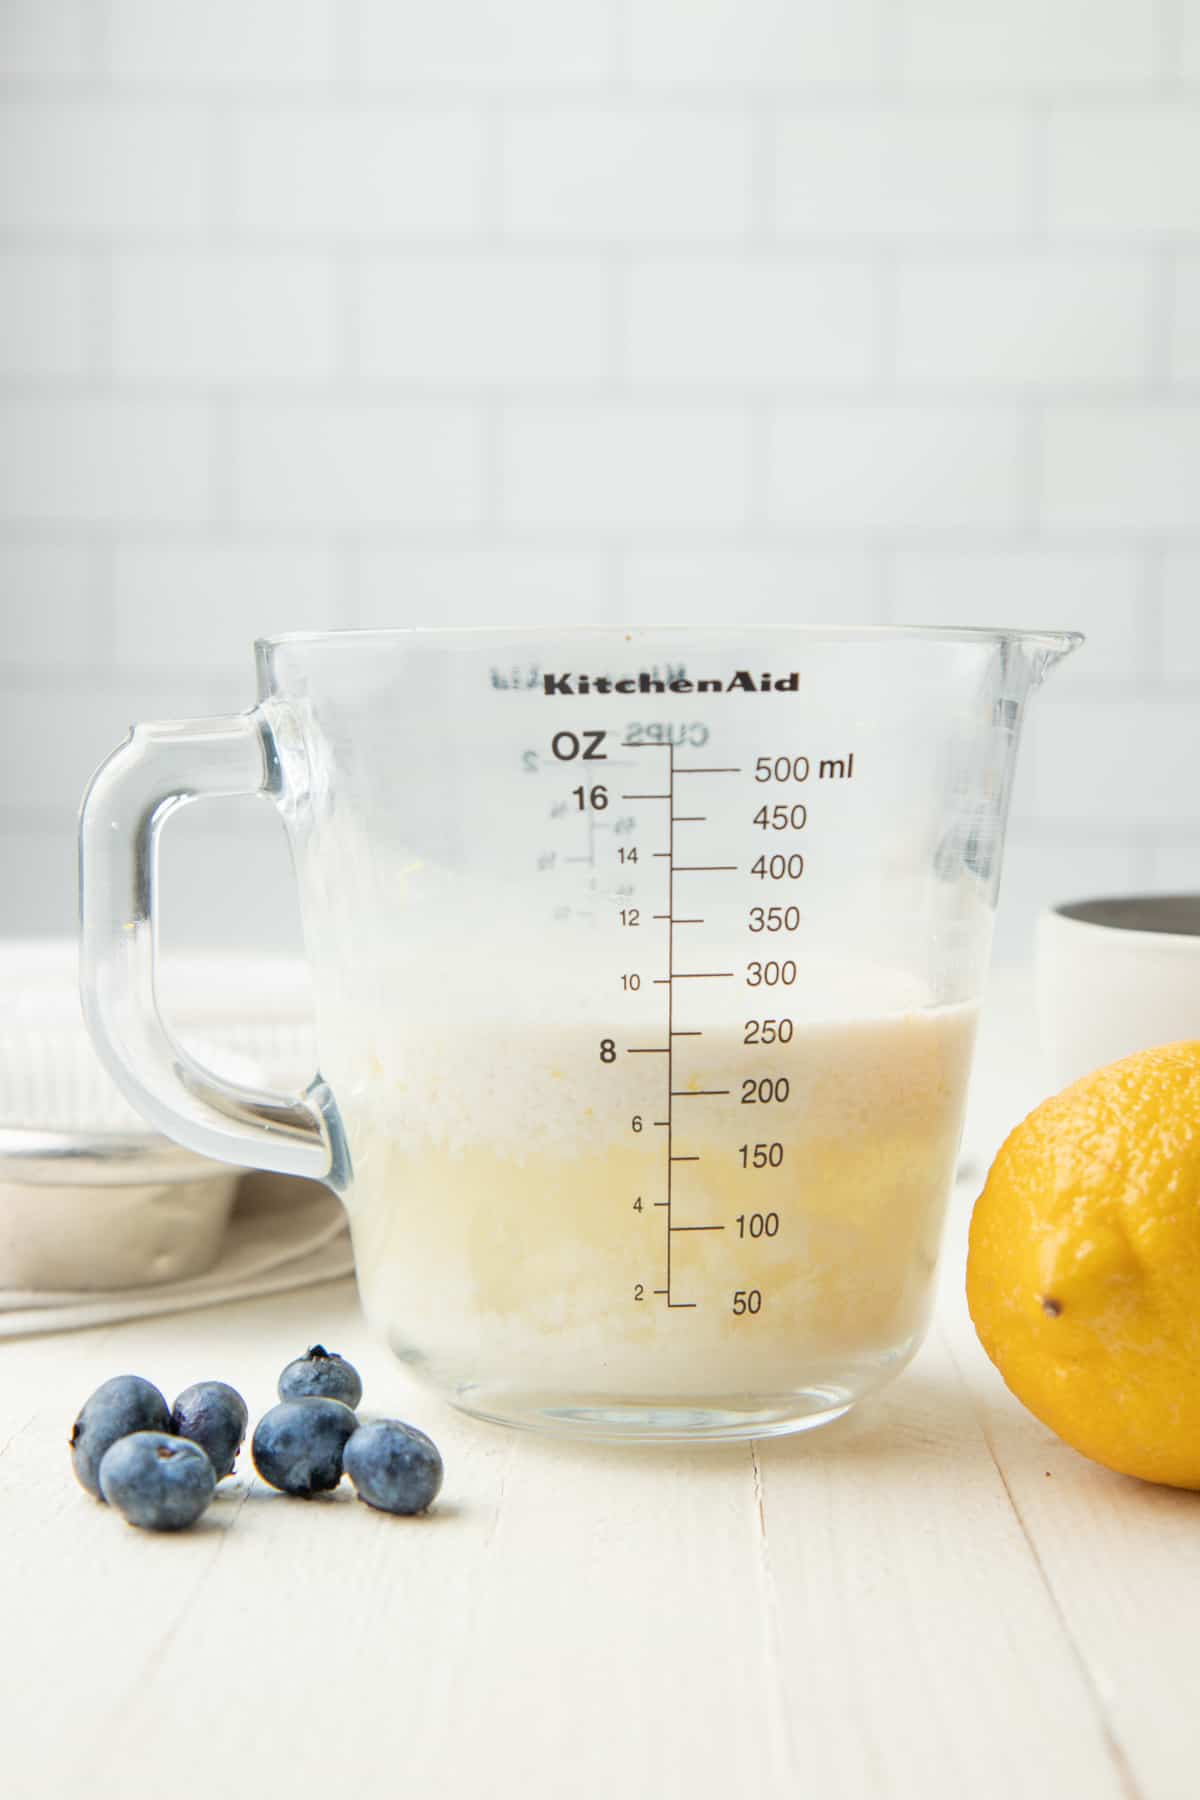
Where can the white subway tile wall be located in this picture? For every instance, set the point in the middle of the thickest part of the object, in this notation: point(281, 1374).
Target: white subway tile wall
point(354, 312)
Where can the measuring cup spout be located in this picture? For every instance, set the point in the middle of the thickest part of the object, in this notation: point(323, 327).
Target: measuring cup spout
point(1039, 652)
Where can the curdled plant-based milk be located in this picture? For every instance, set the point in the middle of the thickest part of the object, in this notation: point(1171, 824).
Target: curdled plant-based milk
point(510, 1208)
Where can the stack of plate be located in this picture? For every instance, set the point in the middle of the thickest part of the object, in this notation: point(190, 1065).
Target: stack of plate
point(91, 1198)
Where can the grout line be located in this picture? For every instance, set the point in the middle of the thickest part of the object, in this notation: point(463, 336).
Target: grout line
point(887, 323)
point(763, 177)
point(493, 119)
point(699, 538)
point(96, 30)
point(225, 159)
point(347, 58)
point(615, 563)
point(620, 50)
point(347, 560)
point(492, 430)
point(1039, 113)
point(618, 292)
point(102, 589)
point(222, 420)
point(99, 344)
point(1163, 278)
point(760, 421)
point(884, 570)
point(786, 1747)
point(1121, 1763)
point(347, 278)
point(1153, 620)
point(1032, 471)
point(601, 88)
point(889, 50)
point(681, 398)
point(799, 245)
point(1170, 16)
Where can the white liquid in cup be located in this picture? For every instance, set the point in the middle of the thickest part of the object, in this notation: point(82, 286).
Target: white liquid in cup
point(501, 1248)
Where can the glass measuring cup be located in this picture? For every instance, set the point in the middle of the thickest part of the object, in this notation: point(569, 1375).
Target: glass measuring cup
point(646, 967)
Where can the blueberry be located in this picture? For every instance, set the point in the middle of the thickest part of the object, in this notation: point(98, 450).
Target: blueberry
point(393, 1466)
point(213, 1415)
point(298, 1445)
point(159, 1482)
point(322, 1373)
point(118, 1407)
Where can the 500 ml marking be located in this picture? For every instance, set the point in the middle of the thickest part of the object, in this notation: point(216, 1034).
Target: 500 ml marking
point(784, 865)
point(673, 975)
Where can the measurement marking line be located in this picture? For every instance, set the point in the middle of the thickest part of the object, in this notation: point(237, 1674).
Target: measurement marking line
point(660, 1203)
point(697, 1093)
point(705, 869)
point(644, 796)
point(703, 975)
point(662, 981)
point(664, 854)
point(708, 771)
point(688, 818)
point(681, 1305)
point(670, 988)
point(658, 1291)
point(660, 915)
point(697, 1228)
point(647, 1050)
point(689, 921)
point(660, 1121)
point(687, 1034)
point(685, 1159)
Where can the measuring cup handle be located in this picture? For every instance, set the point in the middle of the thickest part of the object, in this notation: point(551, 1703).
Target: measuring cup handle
point(159, 768)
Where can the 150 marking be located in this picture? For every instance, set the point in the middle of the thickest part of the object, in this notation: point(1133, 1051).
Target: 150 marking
point(786, 866)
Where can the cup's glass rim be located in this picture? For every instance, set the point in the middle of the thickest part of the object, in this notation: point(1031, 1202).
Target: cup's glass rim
point(1055, 642)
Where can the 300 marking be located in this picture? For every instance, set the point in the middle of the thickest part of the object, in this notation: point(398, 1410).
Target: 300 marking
point(770, 974)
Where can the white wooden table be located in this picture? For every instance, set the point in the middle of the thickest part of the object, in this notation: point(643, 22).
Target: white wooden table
point(932, 1597)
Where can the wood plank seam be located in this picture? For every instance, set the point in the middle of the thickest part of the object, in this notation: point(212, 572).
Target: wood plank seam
point(1124, 1771)
point(780, 1712)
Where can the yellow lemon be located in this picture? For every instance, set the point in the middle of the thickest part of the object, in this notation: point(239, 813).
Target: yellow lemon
point(1083, 1272)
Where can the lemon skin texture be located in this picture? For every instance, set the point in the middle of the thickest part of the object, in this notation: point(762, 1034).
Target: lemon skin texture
point(1083, 1266)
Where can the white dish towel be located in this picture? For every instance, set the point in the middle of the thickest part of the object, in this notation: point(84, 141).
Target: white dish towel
point(283, 1234)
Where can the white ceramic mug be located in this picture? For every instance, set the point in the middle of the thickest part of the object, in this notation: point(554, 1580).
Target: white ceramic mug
point(1115, 976)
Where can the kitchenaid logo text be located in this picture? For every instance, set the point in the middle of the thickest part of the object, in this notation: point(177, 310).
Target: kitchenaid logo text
point(741, 682)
